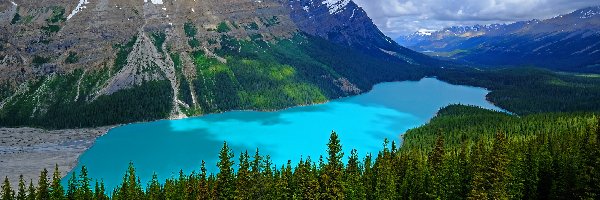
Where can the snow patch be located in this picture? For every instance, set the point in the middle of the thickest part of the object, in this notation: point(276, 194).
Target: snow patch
point(336, 6)
point(79, 7)
point(13, 3)
point(154, 1)
point(425, 32)
point(588, 14)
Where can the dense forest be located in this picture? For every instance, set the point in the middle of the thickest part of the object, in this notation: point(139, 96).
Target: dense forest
point(463, 153)
point(525, 90)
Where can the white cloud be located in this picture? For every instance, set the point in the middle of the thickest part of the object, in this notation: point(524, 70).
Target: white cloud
point(400, 17)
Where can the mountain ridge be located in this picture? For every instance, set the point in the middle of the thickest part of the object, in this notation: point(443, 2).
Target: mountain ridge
point(565, 42)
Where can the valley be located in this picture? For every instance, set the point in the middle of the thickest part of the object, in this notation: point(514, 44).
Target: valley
point(133, 99)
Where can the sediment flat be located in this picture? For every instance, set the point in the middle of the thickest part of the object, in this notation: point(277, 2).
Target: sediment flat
point(28, 151)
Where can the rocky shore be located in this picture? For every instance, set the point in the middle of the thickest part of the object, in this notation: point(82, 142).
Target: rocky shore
point(28, 151)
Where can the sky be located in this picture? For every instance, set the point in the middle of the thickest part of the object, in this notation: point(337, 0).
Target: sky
point(402, 17)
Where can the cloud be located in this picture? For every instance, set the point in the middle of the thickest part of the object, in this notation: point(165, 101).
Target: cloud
point(401, 17)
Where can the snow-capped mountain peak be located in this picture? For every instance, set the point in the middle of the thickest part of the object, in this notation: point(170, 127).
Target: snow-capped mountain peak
point(335, 6)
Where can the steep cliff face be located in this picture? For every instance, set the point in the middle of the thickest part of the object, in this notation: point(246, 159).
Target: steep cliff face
point(51, 29)
point(67, 63)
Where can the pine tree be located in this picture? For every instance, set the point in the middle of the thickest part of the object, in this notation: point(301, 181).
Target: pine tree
point(242, 187)
point(130, 188)
point(7, 192)
point(225, 178)
point(352, 182)
point(464, 172)
point(499, 168)
point(332, 186)
point(385, 187)
point(99, 191)
point(84, 191)
point(203, 191)
point(256, 176)
point(154, 190)
point(480, 182)
point(43, 192)
point(268, 179)
point(367, 177)
point(284, 186)
point(57, 191)
point(436, 162)
point(72, 186)
point(22, 194)
point(31, 191)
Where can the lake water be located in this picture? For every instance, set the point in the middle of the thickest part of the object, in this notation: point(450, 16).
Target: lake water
point(362, 122)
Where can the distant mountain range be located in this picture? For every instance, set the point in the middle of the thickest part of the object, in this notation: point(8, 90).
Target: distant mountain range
point(568, 42)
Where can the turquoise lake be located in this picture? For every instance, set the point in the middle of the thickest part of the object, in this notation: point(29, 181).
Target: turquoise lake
point(362, 122)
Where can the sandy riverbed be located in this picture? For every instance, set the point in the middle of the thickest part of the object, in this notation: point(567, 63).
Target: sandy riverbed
point(28, 151)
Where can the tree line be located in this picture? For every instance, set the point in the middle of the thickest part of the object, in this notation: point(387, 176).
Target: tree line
point(511, 159)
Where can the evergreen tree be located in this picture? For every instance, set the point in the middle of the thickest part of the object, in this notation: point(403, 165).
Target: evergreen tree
point(31, 191)
point(368, 179)
point(384, 186)
point(332, 186)
point(84, 191)
point(72, 186)
point(436, 162)
point(256, 176)
point(499, 174)
point(43, 192)
point(242, 187)
point(130, 188)
point(7, 192)
point(268, 179)
point(154, 189)
point(22, 193)
point(353, 185)
point(56, 189)
point(480, 182)
point(203, 191)
point(225, 186)
point(99, 192)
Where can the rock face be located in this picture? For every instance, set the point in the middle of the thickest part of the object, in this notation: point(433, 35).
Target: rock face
point(50, 29)
point(566, 42)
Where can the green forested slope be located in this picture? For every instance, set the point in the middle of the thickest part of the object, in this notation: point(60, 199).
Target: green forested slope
point(531, 90)
point(258, 74)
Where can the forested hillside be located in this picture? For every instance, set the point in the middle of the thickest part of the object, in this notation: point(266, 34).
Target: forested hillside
point(155, 60)
point(464, 153)
point(524, 91)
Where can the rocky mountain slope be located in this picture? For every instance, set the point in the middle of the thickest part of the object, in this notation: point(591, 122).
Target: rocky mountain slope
point(566, 42)
point(66, 63)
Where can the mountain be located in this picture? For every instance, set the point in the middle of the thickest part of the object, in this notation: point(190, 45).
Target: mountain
point(99, 62)
point(567, 42)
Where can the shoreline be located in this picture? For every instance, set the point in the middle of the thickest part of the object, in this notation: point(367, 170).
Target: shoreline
point(27, 151)
point(30, 150)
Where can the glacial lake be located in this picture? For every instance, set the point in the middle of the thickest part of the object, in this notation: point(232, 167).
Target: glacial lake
point(362, 122)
